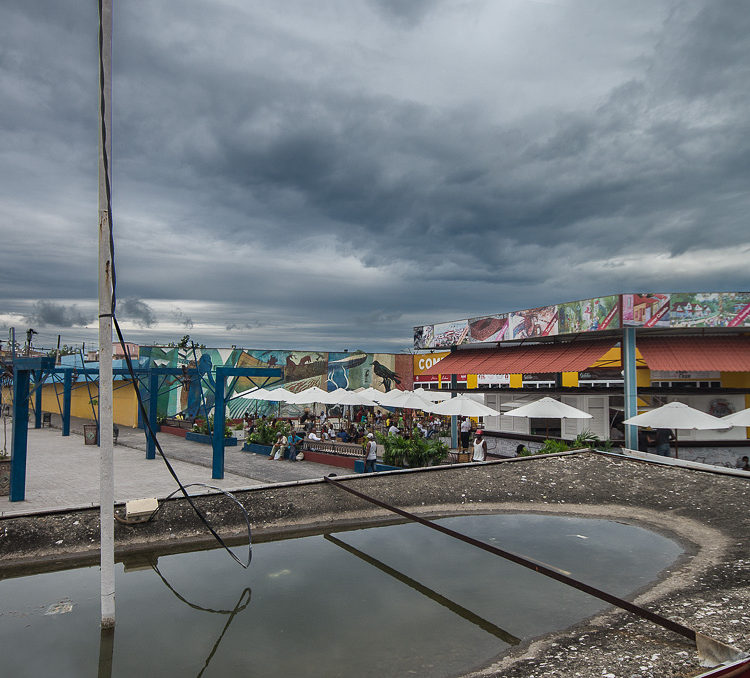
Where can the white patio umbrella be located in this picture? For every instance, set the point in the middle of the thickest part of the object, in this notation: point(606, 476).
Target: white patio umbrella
point(280, 395)
point(741, 418)
point(388, 398)
point(678, 416)
point(409, 400)
point(433, 396)
point(463, 406)
point(239, 404)
point(353, 398)
point(310, 395)
point(253, 394)
point(548, 408)
point(372, 393)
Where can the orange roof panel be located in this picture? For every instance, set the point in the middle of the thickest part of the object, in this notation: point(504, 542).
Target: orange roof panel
point(569, 357)
point(696, 354)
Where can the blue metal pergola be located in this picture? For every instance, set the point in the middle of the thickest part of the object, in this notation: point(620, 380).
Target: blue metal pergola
point(43, 368)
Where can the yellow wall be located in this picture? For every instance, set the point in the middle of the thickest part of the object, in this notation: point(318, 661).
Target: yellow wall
point(735, 379)
point(124, 403)
point(738, 380)
point(570, 379)
point(612, 358)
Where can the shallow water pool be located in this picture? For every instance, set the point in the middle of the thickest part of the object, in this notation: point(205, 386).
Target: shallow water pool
point(384, 601)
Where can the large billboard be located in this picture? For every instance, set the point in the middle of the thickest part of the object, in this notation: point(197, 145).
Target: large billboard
point(488, 328)
point(533, 322)
point(735, 309)
point(647, 309)
point(450, 334)
point(695, 310)
point(589, 315)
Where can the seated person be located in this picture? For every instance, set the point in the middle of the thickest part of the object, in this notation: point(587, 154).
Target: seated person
point(277, 451)
point(295, 438)
point(311, 435)
point(343, 435)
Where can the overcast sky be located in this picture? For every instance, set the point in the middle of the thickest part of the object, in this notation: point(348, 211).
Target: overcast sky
point(327, 174)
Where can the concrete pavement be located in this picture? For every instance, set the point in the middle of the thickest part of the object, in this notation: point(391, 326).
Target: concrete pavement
point(63, 472)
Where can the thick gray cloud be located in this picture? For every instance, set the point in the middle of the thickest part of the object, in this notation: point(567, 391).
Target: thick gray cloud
point(327, 175)
point(47, 313)
point(136, 310)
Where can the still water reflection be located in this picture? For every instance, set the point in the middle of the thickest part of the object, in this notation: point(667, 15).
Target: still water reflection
point(386, 601)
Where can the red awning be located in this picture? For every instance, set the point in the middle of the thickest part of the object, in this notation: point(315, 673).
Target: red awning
point(570, 357)
point(696, 354)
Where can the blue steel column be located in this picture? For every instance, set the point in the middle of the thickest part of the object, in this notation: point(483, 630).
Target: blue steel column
point(153, 402)
point(20, 434)
point(38, 399)
point(219, 404)
point(454, 419)
point(67, 395)
point(631, 385)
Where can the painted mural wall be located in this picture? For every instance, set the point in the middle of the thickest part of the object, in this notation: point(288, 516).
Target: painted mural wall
point(192, 395)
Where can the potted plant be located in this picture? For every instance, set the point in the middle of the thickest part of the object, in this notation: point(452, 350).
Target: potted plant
point(262, 439)
point(202, 433)
point(4, 472)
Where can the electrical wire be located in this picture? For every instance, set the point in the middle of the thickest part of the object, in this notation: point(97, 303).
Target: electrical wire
point(128, 362)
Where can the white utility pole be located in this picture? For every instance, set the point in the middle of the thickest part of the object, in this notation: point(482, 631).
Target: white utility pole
point(106, 460)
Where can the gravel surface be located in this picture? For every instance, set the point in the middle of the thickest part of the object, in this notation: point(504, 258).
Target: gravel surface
point(707, 590)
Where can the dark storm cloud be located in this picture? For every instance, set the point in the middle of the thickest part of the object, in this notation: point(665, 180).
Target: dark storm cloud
point(408, 14)
point(389, 178)
point(136, 310)
point(332, 166)
point(183, 319)
point(48, 313)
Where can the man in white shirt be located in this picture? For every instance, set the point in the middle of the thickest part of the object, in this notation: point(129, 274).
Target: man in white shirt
point(371, 455)
point(393, 430)
point(277, 451)
point(465, 434)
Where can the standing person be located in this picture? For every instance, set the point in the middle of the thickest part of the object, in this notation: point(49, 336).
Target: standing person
point(480, 447)
point(393, 430)
point(663, 437)
point(465, 434)
point(642, 440)
point(371, 453)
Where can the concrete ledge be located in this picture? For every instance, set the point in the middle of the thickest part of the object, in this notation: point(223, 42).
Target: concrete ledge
point(706, 512)
point(173, 430)
point(207, 439)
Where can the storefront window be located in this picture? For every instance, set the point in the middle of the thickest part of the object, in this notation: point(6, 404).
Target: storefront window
point(545, 427)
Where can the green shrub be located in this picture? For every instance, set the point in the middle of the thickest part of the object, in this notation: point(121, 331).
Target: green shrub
point(553, 446)
point(413, 452)
point(585, 439)
point(265, 433)
point(207, 427)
